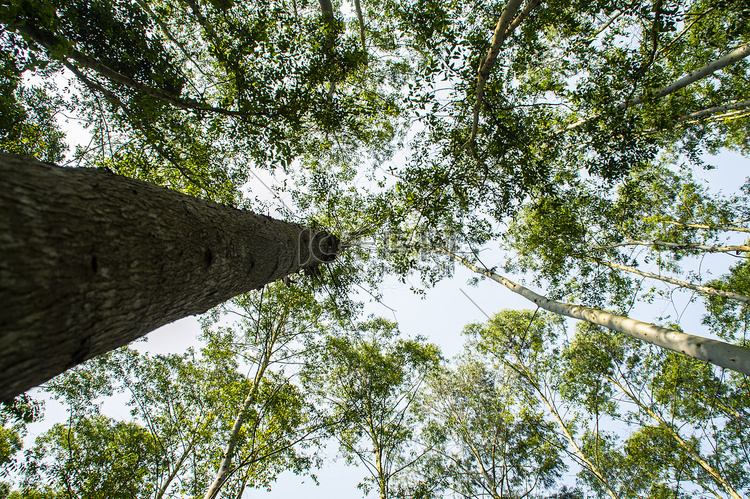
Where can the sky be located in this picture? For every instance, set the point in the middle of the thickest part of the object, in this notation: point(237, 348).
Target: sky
point(440, 316)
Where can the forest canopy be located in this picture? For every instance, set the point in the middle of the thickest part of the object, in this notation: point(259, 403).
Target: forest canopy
point(558, 144)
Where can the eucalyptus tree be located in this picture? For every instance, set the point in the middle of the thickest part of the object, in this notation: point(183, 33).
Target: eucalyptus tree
point(366, 383)
point(170, 417)
point(684, 419)
point(720, 353)
point(485, 434)
point(561, 104)
point(539, 96)
point(527, 344)
point(578, 102)
point(593, 244)
point(601, 237)
point(96, 457)
point(561, 63)
point(640, 421)
point(278, 324)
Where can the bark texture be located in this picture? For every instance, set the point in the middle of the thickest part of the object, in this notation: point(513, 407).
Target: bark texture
point(90, 261)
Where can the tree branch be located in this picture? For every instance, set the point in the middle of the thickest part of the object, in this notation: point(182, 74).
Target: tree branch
point(503, 29)
point(677, 282)
point(732, 57)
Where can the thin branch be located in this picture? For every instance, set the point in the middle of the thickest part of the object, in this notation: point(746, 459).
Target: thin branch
point(732, 57)
point(730, 228)
point(687, 246)
point(697, 115)
point(677, 282)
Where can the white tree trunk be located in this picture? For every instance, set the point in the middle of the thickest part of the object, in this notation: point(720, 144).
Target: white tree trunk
point(714, 110)
point(488, 61)
point(685, 246)
point(735, 55)
point(677, 282)
point(715, 352)
point(361, 20)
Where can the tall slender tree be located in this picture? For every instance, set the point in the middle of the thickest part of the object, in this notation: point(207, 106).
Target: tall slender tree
point(486, 436)
point(367, 383)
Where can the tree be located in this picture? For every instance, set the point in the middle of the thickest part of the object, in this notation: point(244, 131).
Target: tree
point(189, 95)
point(15, 415)
point(92, 260)
point(656, 217)
point(367, 383)
point(544, 183)
point(220, 421)
point(682, 431)
point(485, 435)
point(562, 62)
point(278, 322)
point(716, 352)
point(641, 421)
point(96, 458)
point(560, 121)
point(171, 398)
point(525, 342)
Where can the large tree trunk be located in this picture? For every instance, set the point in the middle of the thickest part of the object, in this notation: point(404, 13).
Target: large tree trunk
point(90, 261)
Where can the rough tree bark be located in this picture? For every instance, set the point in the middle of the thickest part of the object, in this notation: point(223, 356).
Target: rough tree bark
point(90, 261)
